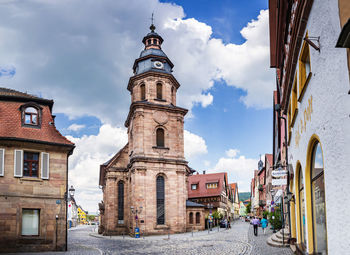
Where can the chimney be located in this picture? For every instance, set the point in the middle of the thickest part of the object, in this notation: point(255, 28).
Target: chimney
point(203, 171)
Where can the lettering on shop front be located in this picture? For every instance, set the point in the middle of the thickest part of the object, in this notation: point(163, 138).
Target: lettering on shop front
point(303, 121)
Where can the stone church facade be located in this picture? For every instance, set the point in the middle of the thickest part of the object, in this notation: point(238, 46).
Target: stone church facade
point(145, 184)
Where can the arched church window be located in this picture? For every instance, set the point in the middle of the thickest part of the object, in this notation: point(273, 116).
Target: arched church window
point(160, 137)
point(120, 202)
point(198, 218)
point(191, 218)
point(143, 91)
point(160, 201)
point(159, 91)
point(318, 201)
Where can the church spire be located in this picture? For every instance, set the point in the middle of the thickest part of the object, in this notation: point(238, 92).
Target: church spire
point(152, 40)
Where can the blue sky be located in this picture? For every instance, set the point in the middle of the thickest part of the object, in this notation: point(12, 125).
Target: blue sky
point(83, 61)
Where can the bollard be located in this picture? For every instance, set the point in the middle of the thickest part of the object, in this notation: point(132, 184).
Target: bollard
point(218, 228)
point(168, 235)
point(123, 235)
point(192, 231)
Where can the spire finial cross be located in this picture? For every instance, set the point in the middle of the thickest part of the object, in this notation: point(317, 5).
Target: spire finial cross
point(152, 27)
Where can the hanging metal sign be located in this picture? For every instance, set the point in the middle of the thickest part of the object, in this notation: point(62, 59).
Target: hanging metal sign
point(279, 173)
point(279, 182)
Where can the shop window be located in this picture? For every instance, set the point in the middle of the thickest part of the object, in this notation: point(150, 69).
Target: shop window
point(30, 222)
point(160, 200)
point(120, 202)
point(302, 208)
point(304, 69)
point(198, 218)
point(191, 218)
point(318, 201)
point(213, 185)
point(160, 137)
point(159, 91)
point(143, 91)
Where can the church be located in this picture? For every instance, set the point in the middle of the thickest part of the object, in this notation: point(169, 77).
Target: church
point(145, 184)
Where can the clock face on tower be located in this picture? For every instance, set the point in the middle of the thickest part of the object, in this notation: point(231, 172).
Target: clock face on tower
point(158, 64)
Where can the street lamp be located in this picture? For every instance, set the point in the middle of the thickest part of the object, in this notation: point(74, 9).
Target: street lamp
point(71, 191)
point(210, 219)
point(136, 211)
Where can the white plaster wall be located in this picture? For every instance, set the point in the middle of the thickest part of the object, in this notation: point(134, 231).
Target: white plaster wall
point(330, 120)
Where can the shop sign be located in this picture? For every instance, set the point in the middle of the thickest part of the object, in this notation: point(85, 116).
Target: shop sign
point(279, 173)
point(279, 182)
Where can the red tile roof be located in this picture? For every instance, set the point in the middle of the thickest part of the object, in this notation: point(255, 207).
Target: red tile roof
point(201, 180)
point(11, 125)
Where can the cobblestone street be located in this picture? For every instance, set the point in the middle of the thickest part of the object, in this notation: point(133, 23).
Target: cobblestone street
point(237, 240)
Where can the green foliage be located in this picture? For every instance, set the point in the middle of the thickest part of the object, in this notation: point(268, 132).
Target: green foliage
point(91, 217)
point(244, 196)
point(217, 215)
point(248, 207)
point(265, 214)
point(276, 221)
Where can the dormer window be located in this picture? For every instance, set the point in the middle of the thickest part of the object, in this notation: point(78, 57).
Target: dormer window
point(31, 116)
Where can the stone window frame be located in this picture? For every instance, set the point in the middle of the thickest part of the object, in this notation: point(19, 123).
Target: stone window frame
point(41, 213)
point(165, 200)
point(166, 135)
point(162, 98)
point(143, 93)
point(34, 105)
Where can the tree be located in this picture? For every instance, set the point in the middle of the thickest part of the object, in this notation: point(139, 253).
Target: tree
point(91, 217)
point(275, 219)
point(248, 207)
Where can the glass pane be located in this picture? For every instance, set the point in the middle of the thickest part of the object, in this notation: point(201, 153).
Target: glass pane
point(319, 215)
point(160, 137)
point(301, 180)
point(307, 66)
point(303, 219)
point(35, 156)
point(34, 118)
point(317, 157)
point(30, 222)
point(27, 119)
point(120, 202)
point(31, 110)
point(160, 200)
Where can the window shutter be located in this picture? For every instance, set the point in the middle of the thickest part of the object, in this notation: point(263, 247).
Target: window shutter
point(2, 161)
point(18, 163)
point(45, 165)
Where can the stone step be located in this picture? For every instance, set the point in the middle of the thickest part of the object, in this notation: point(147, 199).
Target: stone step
point(280, 236)
point(270, 242)
point(278, 240)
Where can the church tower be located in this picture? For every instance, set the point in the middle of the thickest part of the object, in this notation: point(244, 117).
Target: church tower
point(149, 174)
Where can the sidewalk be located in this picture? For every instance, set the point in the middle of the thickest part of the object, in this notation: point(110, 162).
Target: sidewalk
point(260, 246)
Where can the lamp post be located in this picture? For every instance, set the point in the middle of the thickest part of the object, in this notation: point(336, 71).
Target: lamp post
point(210, 219)
point(278, 109)
point(136, 211)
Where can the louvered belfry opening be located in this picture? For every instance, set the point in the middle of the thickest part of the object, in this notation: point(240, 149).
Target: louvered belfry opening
point(159, 91)
point(160, 137)
point(160, 201)
point(120, 202)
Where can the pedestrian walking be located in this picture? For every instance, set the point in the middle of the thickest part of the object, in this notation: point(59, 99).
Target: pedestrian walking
point(264, 224)
point(255, 222)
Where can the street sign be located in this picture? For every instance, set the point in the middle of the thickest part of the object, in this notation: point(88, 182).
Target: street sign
point(279, 182)
point(279, 173)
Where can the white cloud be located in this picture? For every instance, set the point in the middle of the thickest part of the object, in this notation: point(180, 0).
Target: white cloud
point(239, 168)
point(83, 59)
point(194, 145)
point(232, 153)
point(84, 165)
point(75, 127)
